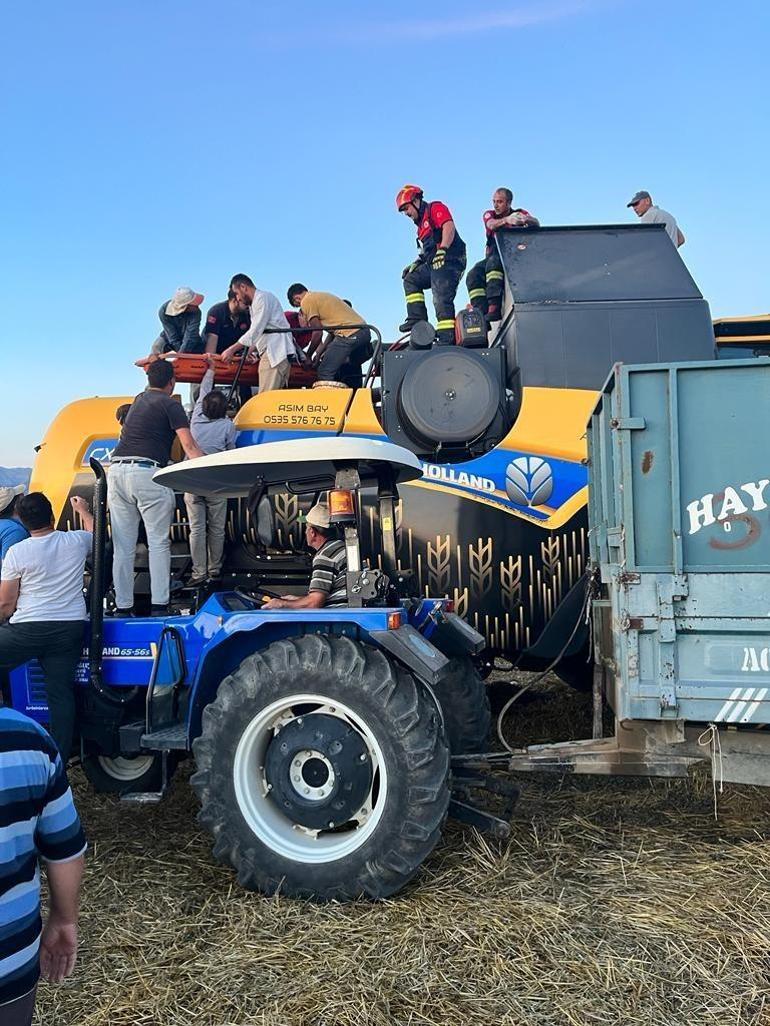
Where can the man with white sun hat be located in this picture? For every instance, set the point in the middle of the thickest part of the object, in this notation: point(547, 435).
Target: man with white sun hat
point(181, 320)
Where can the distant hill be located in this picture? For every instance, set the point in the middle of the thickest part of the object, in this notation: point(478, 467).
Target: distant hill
point(10, 476)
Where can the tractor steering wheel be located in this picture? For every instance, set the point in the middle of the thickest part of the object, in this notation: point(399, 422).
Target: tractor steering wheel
point(252, 594)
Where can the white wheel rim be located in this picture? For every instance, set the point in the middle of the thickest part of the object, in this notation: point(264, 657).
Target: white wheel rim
point(276, 830)
point(126, 768)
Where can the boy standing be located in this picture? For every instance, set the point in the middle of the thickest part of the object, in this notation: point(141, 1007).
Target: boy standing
point(212, 431)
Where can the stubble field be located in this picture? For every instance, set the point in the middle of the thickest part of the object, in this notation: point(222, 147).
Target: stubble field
point(614, 902)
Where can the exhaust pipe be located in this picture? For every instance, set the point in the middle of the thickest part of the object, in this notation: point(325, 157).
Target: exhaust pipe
point(96, 643)
point(98, 585)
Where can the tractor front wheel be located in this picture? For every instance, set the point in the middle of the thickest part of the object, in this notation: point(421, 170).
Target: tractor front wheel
point(322, 771)
point(125, 774)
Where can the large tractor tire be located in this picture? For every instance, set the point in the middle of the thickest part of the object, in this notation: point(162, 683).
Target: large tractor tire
point(322, 771)
point(125, 774)
point(464, 701)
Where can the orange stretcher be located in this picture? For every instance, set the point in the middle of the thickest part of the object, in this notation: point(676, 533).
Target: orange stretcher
point(190, 368)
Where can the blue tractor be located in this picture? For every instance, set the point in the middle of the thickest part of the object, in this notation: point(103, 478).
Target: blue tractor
point(322, 738)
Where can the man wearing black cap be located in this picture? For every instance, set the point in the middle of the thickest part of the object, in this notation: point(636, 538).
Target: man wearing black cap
point(646, 211)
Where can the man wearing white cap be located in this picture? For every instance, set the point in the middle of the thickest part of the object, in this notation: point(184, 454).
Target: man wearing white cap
point(328, 579)
point(181, 320)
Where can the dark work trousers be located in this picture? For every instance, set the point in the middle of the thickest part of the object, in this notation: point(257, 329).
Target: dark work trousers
point(20, 1011)
point(443, 284)
point(58, 646)
point(344, 357)
point(485, 282)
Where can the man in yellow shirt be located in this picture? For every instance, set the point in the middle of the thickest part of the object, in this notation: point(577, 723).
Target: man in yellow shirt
point(348, 343)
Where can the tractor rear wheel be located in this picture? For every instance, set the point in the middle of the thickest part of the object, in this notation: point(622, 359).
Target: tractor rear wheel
point(464, 701)
point(322, 771)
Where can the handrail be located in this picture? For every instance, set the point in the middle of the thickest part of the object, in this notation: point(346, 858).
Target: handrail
point(167, 631)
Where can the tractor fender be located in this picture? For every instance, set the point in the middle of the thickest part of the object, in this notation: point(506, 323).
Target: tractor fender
point(248, 634)
point(410, 648)
point(455, 637)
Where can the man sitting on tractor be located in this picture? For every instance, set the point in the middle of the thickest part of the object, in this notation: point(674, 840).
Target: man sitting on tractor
point(328, 579)
point(439, 265)
point(485, 279)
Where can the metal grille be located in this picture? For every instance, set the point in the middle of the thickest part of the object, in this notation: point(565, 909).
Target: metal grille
point(36, 695)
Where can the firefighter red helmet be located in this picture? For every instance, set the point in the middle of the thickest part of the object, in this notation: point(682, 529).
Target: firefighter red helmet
point(409, 194)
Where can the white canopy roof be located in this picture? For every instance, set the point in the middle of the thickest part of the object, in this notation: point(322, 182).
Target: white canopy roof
point(299, 465)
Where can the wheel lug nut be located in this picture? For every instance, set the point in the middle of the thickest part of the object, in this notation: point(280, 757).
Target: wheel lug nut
point(296, 780)
point(362, 757)
point(307, 790)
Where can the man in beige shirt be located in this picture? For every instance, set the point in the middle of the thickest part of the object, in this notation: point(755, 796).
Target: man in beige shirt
point(348, 343)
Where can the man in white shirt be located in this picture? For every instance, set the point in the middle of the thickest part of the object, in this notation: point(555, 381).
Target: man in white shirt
point(273, 348)
point(42, 609)
point(645, 210)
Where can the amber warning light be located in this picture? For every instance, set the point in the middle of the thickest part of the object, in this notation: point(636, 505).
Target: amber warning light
point(394, 621)
point(341, 507)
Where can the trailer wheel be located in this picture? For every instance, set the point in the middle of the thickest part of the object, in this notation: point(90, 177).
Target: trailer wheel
point(464, 701)
point(322, 771)
point(124, 774)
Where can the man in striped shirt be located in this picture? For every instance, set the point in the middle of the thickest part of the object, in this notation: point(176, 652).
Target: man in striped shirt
point(328, 580)
point(37, 820)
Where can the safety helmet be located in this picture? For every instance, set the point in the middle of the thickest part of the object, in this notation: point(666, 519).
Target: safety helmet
point(408, 194)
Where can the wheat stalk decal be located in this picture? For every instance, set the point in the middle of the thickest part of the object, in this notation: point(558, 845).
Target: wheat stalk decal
point(480, 562)
point(460, 599)
point(510, 583)
point(550, 551)
point(286, 509)
point(438, 559)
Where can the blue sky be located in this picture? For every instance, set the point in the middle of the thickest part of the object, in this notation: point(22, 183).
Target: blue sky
point(150, 145)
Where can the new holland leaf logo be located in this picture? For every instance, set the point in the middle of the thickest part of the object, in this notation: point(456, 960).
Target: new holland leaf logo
point(529, 481)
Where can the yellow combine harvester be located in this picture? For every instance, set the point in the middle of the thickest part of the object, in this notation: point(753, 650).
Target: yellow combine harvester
point(498, 520)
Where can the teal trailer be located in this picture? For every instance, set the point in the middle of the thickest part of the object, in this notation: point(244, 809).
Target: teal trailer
point(679, 582)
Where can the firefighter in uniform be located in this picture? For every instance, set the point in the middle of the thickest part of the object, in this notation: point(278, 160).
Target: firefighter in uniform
point(485, 279)
point(438, 267)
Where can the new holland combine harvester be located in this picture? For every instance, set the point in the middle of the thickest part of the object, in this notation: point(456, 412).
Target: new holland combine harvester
point(330, 744)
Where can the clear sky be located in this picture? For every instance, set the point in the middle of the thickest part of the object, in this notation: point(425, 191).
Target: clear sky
point(148, 145)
